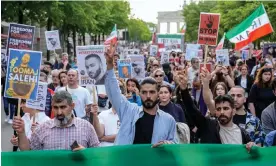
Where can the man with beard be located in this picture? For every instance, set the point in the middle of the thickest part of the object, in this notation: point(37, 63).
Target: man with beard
point(50, 134)
point(80, 95)
point(139, 125)
point(137, 71)
point(221, 130)
point(94, 68)
point(245, 119)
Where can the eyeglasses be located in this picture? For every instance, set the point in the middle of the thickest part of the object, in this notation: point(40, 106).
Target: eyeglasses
point(161, 75)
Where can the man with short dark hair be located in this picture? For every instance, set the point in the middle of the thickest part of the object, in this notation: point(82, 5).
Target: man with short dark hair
point(139, 125)
point(245, 119)
point(269, 113)
point(50, 135)
point(94, 68)
point(221, 130)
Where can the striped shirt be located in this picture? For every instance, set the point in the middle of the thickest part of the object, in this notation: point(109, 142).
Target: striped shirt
point(48, 136)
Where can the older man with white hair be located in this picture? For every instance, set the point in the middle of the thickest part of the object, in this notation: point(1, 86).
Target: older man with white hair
point(54, 82)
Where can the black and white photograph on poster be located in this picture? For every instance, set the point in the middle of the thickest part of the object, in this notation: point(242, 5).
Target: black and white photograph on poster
point(269, 48)
point(40, 102)
point(222, 57)
point(52, 40)
point(138, 66)
point(165, 57)
point(133, 51)
point(91, 64)
point(153, 50)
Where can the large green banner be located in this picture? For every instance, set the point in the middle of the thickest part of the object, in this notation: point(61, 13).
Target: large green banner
point(144, 155)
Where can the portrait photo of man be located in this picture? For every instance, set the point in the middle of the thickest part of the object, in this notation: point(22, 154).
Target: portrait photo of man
point(125, 72)
point(53, 42)
point(94, 68)
point(137, 71)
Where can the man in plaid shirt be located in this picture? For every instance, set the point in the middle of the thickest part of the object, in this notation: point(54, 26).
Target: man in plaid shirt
point(63, 132)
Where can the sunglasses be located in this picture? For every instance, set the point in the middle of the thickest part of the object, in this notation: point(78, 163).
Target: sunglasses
point(161, 75)
point(155, 65)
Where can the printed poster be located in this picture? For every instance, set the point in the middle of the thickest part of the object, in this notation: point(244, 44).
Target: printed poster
point(52, 40)
point(21, 37)
point(245, 54)
point(23, 73)
point(165, 57)
point(40, 102)
point(153, 50)
point(192, 51)
point(269, 48)
point(222, 57)
point(91, 64)
point(138, 66)
point(124, 68)
point(208, 28)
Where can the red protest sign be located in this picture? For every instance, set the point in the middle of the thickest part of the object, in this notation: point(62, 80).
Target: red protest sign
point(208, 28)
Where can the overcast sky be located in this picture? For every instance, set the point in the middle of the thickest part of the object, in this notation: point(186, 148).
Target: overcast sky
point(147, 9)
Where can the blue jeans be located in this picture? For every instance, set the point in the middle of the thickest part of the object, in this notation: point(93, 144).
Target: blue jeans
point(8, 108)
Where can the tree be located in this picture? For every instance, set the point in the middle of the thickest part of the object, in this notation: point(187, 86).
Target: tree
point(138, 30)
point(232, 14)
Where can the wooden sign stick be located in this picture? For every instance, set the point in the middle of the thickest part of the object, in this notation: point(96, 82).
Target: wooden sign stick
point(205, 55)
point(18, 108)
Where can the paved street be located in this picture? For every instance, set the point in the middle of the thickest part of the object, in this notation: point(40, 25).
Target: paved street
point(6, 132)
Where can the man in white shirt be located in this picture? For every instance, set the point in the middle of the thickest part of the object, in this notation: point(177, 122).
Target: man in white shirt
point(80, 95)
point(107, 125)
point(193, 70)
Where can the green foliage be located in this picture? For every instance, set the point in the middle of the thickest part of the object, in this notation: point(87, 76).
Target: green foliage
point(232, 13)
point(138, 30)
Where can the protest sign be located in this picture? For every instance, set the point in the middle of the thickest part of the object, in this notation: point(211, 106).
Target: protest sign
point(20, 37)
point(208, 28)
point(208, 67)
point(91, 64)
point(40, 102)
point(269, 48)
point(138, 66)
point(192, 51)
point(133, 51)
point(245, 54)
point(52, 40)
point(23, 74)
point(171, 41)
point(165, 57)
point(222, 57)
point(153, 50)
point(124, 68)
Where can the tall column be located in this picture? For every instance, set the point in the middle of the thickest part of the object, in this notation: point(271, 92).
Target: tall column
point(168, 27)
point(158, 27)
point(177, 27)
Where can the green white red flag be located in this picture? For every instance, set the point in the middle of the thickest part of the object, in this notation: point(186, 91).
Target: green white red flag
point(221, 42)
point(112, 38)
point(252, 28)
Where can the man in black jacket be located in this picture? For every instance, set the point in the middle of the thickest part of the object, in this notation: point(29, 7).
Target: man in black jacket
point(216, 131)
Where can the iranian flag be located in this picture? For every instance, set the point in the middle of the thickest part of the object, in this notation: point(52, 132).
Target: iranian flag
point(112, 38)
point(221, 42)
point(253, 27)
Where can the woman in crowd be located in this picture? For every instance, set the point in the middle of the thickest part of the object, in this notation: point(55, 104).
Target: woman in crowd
point(63, 78)
point(133, 89)
point(158, 75)
point(222, 74)
point(165, 95)
point(197, 93)
point(219, 89)
point(244, 80)
point(261, 95)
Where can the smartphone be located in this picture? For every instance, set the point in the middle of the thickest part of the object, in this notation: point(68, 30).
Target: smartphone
point(74, 145)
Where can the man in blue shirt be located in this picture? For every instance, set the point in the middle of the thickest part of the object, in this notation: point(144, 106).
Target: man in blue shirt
point(139, 125)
